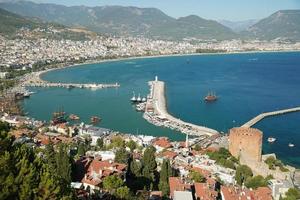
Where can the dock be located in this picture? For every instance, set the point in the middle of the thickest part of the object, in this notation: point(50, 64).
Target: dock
point(157, 114)
point(34, 80)
point(71, 85)
point(260, 117)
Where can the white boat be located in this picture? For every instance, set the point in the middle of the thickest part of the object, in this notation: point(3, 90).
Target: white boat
point(291, 145)
point(139, 98)
point(144, 99)
point(133, 98)
point(271, 139)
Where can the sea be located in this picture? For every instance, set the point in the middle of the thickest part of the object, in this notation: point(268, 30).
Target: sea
point(246, 84)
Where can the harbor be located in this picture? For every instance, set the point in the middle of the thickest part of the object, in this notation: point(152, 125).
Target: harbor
point(157, 114)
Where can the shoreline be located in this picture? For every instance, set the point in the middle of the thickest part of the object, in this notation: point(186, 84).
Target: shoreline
point(92, 61)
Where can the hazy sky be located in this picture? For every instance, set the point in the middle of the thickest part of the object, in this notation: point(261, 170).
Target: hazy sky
point(211, 9)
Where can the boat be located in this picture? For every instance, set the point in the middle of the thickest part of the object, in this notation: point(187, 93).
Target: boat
point(73, 117)
point(211, 97)
point(95, 119)
point(58, 118)
point(133, 98)
point(139, 99)
point(291, 145)
point(144, 99)
point(271, 139)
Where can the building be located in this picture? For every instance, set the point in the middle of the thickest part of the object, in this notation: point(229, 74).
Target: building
point(180, 195)
point(279, 187)
point(177, 184)
point(246, 144)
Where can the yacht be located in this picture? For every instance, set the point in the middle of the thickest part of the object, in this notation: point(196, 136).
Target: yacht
point(271, 139)
point(291, 145)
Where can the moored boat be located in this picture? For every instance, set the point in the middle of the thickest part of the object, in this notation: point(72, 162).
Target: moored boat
point(211, 97)
point(271, 139)
point(291, 145)
point(74, 117)
point(95, 119)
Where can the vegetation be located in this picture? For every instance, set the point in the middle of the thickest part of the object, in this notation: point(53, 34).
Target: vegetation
point(122, 156)
point(292, 194)
point(243, 172)
point(197, 177)
point(224, 158)
point(25, 175)
point(257, 181)
point(165, 173)
point(132, 145)
point(272, 162)
point(210, 50)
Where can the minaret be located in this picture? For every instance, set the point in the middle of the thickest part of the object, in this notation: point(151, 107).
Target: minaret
point(187, 141)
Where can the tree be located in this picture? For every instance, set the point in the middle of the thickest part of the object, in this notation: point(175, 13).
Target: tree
point(242, 173)
point(81, 149)
point(149, 163)
point(136, 168)
point(122, 156)
point(111, 183)
point(255, 182)
point(123, 192)
point(165, 173)
point(292, 194)
point(197, 177)
point(50, 156)
point(132, 145)
point(117, 142)
point(63, 165)
point(100, 143)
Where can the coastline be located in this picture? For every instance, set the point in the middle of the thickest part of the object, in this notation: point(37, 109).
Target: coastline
point(95, 61)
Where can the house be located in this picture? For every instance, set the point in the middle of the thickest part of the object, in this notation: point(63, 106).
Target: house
point(98, 169)
point(177, 184)
point(203, 191)
point(183, 195)
point(279, 187)
point(233, 193)
point(162, 143)
point(94, 132)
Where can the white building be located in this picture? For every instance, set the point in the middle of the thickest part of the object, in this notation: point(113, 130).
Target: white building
point(279, 187)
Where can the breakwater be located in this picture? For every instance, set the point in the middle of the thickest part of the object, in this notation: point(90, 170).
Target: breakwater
point(260, 117)
point(157, 114)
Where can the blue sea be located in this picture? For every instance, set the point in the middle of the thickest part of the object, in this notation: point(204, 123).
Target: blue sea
point(246, 84)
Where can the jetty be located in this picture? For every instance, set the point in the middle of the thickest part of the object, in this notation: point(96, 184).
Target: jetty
point(157, 114)
point(35, 81)
point(260, 117)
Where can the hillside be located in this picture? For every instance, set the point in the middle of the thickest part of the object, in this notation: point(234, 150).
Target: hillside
point(11, 24)
point(282, 24)
point(130, 21)
point(238, 26)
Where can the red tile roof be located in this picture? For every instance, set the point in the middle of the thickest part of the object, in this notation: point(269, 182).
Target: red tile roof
point(233, 193)
point(163, 142)
point(204, 192)
point(176, 184)
point(169, 154)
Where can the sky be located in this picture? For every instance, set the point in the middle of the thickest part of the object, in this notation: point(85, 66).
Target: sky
point(234, 10)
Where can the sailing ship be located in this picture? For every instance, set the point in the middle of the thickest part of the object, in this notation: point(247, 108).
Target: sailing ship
point(211, 97)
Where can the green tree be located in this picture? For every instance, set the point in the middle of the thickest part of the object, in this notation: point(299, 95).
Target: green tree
point(136, 168)
point(111, 183)
point(255, 182)
point(122, 156)
point(123, 192)
point(50, 156)
point(242, 173)
point(292, 194)
point(63, 163)
point(81, 149)
point(149, 163)
point(100, 143)
point(132, 145)
point(165, 173)
point(197, 177)
point(117, 142)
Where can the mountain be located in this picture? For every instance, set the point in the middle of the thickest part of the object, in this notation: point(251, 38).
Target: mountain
point(119, 20)
point(238, 26)
point(11, 23)
point(281, 24)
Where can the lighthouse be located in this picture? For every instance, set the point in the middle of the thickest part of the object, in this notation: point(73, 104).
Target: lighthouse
point(156, 78)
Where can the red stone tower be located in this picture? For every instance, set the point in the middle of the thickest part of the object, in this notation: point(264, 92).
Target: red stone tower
point(246, 144)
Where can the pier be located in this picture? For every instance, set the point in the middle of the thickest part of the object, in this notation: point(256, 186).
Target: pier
point(157, 114)
point(71, 85)
point(35, 81)
point(260, 117)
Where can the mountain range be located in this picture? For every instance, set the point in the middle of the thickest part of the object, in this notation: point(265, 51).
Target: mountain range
point(153, 23)
point(11, 23)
